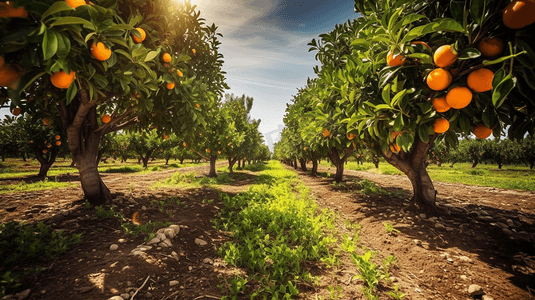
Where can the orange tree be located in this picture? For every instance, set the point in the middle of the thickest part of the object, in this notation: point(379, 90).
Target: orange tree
point(406, 54)
point(100, 67)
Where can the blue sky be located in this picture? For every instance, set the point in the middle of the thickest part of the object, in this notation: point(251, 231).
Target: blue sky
point(265, 48)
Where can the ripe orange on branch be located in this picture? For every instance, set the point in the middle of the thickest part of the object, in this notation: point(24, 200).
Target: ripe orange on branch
point(480, 80)
point(9, 75)
point(105, 119)
point(395, 148)
point(142, 33)
point(179, 73)
point(46, 121)
point(441, 125)
point(441, 105)
point(8, 11)
point(481, 131)
point(444, 56)
point(170, 85)
point(519, 14)
point(166, 57)
point(58, 143)
point(491, 46)
point(326, 132)
point(394, 59)
point(351, 136)
point(438, 79)
point(100, 52)
point(57, 137)
point(75, 3)
point(459, 97)
point(16, 111)
point(62, 79)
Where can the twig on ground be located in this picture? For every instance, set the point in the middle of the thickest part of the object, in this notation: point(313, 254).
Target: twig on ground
point(140, 287)
point(207, 296)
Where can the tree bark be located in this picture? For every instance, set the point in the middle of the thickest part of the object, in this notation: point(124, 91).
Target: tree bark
point(413, 165)
point(295, 163)
point(231, 162)
point(314, 167)
point(334, 156)
point(303, 163)
point(45, 163)
point(213, 159)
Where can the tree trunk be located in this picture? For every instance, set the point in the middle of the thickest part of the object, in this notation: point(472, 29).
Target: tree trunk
point(338, 162)
point(181, 160)
point(303, 163)
point(375, 161)
point(239, 163)
point(314, 167)
point(145, 160)
point(413, 165)
point(231, 162)
point(46, 162)
point(95, 191)
point(295, 163)
point(213, 159)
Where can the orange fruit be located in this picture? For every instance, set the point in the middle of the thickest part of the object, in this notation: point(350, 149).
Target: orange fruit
point(351, 136)
point(184, 144)
point(45, 151)
point(326, 132)
point(100, 52)
point(421, 43)
point(193, 51)
point(519, 13)
point(30, 142)
point(208, 150)
point(179, 73)
point(49, 145)
point(441, 125)
point(170, 85)
point(61, 79)
point(8, 11)
point(395, 134)
point(57, 137)
point(491, 46)
point(198, 105)
point(165, 136)
point(16, 111)
point(105, 119)
point(46, 121)
point(480, 80)
point(481, 131)
point(219, 152)
point(143, 36)
point(75, 3)
point(441, 105)
point(459, 97)
point(166, 57)
point(9, 75)
point(395, 148)
point(394, 60)
point(444, 56)
point(58, 143)
point(438, 79)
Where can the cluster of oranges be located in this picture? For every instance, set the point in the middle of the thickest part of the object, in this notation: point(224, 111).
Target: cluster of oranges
point(48, 145)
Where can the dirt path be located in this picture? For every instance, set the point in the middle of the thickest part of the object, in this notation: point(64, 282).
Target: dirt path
point(483, 236)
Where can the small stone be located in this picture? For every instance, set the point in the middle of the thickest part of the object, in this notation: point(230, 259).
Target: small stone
point(116, 298)
point(475, 290)
point(23, 295)
point(169, 233)
point(507, 232)
point(114, 291)
point(125, 296)
point(160, 235)
point(65, 213)
point(165, 243)
point(207, 261)
point(423, 216)
point(449, 260)
point(176, 228)
point(200, 242)
point(42, 292)
point(417, 242)
point(463, 277)
point(143, 207)
point(465, 258)
point(153, 241)
point(85, 289)
point(122, 241)
point(439, 226)
point(173, 282)
point(432, 219)
point(114, 247)
point(510, 223)
point(485, 297)
point(148, 295)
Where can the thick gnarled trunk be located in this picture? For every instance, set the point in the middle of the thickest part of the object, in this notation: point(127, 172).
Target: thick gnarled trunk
point(45, 162)
point(314, 167)
point(231, 162)
point(303, 163)
point(338, 161)
point(414, 165)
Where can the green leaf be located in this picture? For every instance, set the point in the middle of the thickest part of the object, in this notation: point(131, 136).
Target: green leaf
point(120, 27)
point(398, 123)
point(469, 53)
point(50, 44)
point(498, 77)
point(64, 45)
point(500, 92)
point(424, 58)
point(58, 6)
point(477, 10)
point(448, 24)
point(72, 21)
point(151, 55)
point(407, 20)
point(124, 53)
point(457, 10)
point(464, 123)
point(386, 94)
point(71, 92)
point(423, 132)
point(502, 59)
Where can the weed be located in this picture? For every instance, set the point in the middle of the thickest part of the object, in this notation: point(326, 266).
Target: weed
point(147, 228)
point(104, 213)
point(396, 293)
point(335, 292)
point(160, 204)
point(369, 272)
point(368, 187)
point(233, 286)
point(390, 228)
point(87, 205)
point(349, 244)
point(22, 245)
point(124, 169)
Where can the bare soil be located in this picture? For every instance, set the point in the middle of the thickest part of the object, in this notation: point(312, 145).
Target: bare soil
point(480, 235)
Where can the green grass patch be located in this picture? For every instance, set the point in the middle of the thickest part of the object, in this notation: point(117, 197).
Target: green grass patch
point(35, 186)
point(276, 227)
point(190, 179)
point(23, 246)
